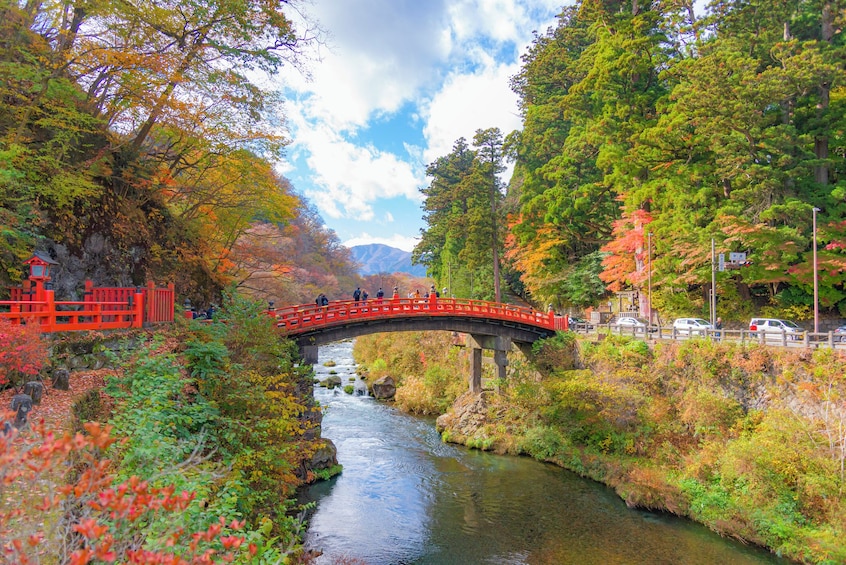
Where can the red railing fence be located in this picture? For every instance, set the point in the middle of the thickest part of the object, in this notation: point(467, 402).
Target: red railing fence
point(101, 307)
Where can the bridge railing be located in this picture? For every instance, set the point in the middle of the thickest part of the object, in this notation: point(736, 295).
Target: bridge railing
point(302, 317)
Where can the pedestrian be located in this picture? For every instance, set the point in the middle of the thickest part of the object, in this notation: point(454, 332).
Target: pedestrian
point(396, 292)
point(416, 293)
point(718, 325)
point(380, 294)
point(356, 295)
point(364, 296)
point(319, 300)
point(324, 301)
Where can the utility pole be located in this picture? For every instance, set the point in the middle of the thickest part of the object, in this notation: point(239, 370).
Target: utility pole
point(814, 210)
point(713, 284)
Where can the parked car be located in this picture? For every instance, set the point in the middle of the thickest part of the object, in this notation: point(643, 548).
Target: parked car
point(638, 324)
point(692, 326)
point(774, 328)
point(840, 333)
point(579, 323)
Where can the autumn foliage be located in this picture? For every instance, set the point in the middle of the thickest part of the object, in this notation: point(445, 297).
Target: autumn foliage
point(101, 516)
point(22, 352)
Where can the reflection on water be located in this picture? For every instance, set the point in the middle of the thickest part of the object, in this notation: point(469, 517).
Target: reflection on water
point(405, 497)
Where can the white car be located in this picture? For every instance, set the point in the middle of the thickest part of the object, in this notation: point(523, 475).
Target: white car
point(773, 328)
point(637, 324)
point(692, 326)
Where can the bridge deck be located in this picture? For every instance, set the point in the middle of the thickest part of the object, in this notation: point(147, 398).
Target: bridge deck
point(304, 318)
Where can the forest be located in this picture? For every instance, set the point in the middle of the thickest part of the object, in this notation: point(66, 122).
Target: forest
point(137, 144)
point(649, 130)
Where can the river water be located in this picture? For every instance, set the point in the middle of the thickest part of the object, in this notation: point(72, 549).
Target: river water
point(404, 497)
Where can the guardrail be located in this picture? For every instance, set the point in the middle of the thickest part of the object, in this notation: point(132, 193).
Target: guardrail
point(296, 319)
point(781, 339)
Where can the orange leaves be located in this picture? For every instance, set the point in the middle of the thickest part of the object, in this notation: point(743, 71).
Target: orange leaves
point(22, 351)
point(90, 529)
point(628, 254)
point(106, 513)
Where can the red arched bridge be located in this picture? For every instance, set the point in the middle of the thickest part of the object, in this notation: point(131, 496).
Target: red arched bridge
point(491, 325)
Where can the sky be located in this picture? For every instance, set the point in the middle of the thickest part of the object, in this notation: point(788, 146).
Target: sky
point(392, 87)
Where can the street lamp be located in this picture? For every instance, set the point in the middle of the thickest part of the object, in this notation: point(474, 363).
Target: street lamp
point(814, 210)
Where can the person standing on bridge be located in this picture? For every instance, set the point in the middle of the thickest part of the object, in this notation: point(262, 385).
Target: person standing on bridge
point(356, 295)
point(364, 296)
point(396, 293)
point(380, 294)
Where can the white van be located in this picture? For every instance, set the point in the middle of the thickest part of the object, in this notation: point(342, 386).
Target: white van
point(692, 326)
point(773, 328)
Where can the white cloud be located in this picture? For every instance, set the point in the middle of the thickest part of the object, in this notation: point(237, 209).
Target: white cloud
point(398, 241)
point(380, 52)
point(348, 178)
point(467, 103)
point(451, 60)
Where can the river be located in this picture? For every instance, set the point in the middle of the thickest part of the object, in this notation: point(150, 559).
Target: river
point(404, 497)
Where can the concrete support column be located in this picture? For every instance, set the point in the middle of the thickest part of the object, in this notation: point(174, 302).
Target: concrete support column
point(476, 370)
point(309, 354)
point(503, 346)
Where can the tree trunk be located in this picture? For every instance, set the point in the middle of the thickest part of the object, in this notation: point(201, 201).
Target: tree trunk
point(821, 141)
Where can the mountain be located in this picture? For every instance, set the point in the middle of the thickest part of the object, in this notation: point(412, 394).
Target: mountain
point(377, 258)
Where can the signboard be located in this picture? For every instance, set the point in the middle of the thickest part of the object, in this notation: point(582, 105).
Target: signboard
point(737, 257)
point(721, 265)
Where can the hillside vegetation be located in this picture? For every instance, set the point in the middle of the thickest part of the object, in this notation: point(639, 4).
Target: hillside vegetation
point(191, 454)
point(134, 145)
point(748, 440)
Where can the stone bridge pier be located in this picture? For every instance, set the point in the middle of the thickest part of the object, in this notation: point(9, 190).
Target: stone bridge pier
point(500, 346)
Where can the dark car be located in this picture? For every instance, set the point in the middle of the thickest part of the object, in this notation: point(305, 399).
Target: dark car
point(578, 323)
point(840, 333)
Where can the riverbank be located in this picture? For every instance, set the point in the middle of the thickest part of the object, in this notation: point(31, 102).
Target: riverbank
point(741, 439)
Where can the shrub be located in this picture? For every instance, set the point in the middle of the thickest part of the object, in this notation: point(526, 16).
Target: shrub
point(543, 442)
point(22, 352)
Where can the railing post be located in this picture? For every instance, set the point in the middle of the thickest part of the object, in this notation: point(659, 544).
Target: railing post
point(138, 319)
point(88, 295)
point(50, 310)
point(171, 301)
point(149, 314)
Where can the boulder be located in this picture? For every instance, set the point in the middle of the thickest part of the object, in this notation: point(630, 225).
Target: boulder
point(325, 457)
point(384, 388)
point(468, 414)
point(331, 382)
point(35, 389)
point(61, 378)
point(21, 405)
